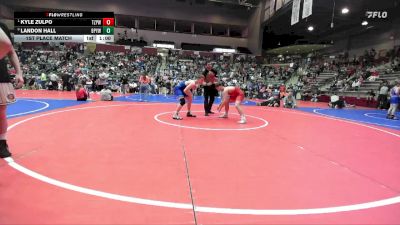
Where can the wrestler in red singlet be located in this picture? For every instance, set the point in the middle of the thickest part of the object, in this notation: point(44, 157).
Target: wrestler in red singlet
point(236, 95)
point(231, 94)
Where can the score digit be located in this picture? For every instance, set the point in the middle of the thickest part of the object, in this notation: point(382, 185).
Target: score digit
point(108, 30)
point(108, 21)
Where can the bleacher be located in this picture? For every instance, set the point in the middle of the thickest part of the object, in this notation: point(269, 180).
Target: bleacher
point(324, 77)
point(389, 77)
point(369, 85)
point(374, 85)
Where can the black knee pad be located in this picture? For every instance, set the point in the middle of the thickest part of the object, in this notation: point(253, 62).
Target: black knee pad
point(182, 101)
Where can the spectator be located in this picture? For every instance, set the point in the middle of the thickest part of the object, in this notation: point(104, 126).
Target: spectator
point(271, 102)
point(370, 97)
point(374, 75)
point(289, 101)
point(125, 85)
point(336, 102)
point(65, 77)
point(382, 97)
point(144, 81)
point(81, 94)
point(106, 94)
point(103, 80)
point(314, 97)
point(282, 90)
point(356, 84)
point(53, 84)
point(43, 80)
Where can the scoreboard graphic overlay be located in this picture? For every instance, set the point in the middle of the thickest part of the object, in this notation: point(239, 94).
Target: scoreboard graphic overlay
point(64, 27)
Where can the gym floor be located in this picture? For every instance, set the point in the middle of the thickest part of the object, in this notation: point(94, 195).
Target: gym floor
point(129, 162)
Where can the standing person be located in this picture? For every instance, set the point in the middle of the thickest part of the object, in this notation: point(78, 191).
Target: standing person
point(184, 90)
point(282, 90)
point(65, 77)
point(43, 80)
point(394, 101)
point(7, 95)
point(125, 84)
point(103, 80)
point(231, 94)
point(210, 91)
point(382, 97)
point(94, 83)
point(144, 81)
point(370, 97)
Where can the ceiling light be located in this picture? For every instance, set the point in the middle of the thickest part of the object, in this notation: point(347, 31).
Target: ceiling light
point(310, 28)
point(345, 10)
point(364, 23)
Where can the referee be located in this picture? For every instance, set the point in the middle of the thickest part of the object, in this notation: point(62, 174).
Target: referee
point(210, 91)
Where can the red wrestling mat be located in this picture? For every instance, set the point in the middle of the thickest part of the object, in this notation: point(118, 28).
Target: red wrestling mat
point(130, 163)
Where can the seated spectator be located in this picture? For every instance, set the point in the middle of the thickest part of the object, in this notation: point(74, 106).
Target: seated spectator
point(271, 102)
point(339, 83)
point(81, 94)
point(32, 83)
point(348, 105)
point(289, 101)
point(356, 84)
point(106, 94)
point(53, 84)
point(314, 97)
point(374, 75)
point(336, 102)
point(306, 95)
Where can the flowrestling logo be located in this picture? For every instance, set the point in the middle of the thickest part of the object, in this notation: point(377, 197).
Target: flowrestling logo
point(376, 14)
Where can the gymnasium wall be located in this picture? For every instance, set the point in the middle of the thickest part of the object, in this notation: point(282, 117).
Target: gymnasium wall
point(178, 38)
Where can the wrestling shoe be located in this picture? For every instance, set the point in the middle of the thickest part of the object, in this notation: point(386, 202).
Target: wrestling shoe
point(4, 152)
point(223, 116)
point(190, 115)
point(176, 117)
point(242, 120)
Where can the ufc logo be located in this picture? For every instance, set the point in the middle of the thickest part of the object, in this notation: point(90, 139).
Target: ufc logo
point(376, 14)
